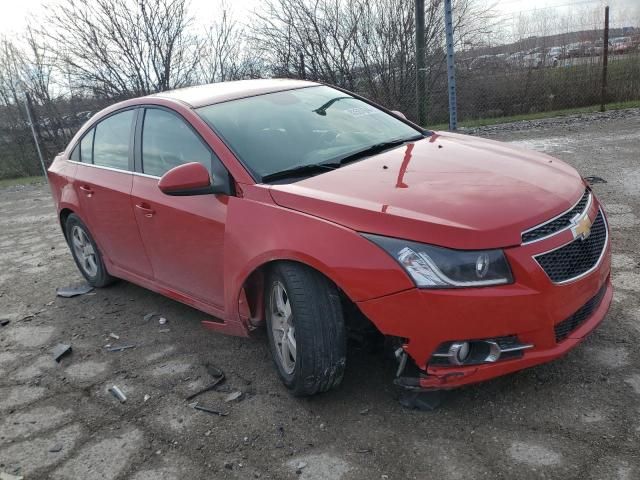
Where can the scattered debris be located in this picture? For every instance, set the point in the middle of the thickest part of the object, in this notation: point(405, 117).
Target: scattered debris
point(74, 290)
point(120, 348)
point(164, 330)
point(594, 179)
point(56, 448)
point(60, 351)
point(149, 316)
point(4, 322)
point(8, 476)
point(162, 321)
point(116, 392)
point(233, 396)
point(147, 397)
point(228, 465)
point(300, 466)
point(364, 450)
point(364, 411)
point(113, 335)
point(196, 406)
point(218, 378)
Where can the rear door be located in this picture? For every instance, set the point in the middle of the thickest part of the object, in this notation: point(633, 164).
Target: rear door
point(104, 179)
point(183, 235)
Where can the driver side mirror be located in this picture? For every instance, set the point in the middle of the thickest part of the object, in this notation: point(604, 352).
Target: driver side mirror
point(399, 114)
point(188, 179)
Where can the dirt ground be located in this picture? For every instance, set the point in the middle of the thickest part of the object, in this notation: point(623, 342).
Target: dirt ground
point(575, 418)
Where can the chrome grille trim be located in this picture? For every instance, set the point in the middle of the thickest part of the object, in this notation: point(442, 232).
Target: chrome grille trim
point(567, 226)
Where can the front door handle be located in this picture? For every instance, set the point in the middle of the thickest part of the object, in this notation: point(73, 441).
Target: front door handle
point(145, 209)
point(87, 189)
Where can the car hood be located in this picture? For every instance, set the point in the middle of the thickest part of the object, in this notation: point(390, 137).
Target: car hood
point(448, 189)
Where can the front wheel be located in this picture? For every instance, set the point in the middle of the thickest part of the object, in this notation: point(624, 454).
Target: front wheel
point(305, 328)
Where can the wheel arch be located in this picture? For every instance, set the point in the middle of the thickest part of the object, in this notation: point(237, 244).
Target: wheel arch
point(250, 293)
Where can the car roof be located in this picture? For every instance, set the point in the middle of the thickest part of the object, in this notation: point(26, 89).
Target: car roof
point(209, 94)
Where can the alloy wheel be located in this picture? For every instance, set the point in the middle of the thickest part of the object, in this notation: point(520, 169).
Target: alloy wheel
point(85, 253)
point(282, 327)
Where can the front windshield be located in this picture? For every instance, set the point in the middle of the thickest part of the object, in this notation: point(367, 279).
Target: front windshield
point(285, 130)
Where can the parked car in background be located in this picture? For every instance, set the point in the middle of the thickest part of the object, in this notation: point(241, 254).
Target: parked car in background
point(620, 45)
point(313, 212)
point(488, 62)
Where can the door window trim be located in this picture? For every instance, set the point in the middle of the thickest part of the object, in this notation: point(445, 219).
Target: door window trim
point(132, 136)
point(229, 186)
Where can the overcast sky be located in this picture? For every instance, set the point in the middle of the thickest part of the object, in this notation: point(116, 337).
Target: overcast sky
point(623, 12)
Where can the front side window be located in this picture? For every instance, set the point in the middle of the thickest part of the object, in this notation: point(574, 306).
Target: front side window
point(167, 141)
point(111, 141)
point(294, 129)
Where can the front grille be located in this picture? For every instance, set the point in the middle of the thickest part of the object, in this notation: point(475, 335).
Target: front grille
point(565, 327)
point(578, 257)
point(557, 224)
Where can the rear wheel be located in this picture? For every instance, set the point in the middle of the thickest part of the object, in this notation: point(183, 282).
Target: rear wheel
point(305, 327)
point(85, 253)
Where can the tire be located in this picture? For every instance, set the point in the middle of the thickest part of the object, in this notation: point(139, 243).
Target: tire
point(303, 309)
point(85, 253)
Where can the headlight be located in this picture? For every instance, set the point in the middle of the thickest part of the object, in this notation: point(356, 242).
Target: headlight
point(437, 267)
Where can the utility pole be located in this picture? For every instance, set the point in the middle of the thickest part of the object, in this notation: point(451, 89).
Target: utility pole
point(605, 59)
point(29, 108)
point(421, 70)
point(451, 66)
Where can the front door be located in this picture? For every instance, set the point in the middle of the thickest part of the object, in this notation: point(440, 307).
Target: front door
point(183, 235)
point(103, 181)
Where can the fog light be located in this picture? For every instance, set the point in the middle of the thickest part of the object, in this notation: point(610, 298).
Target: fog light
point(458, 352)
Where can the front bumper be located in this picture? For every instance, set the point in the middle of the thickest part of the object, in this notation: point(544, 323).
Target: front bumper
point(529, 309)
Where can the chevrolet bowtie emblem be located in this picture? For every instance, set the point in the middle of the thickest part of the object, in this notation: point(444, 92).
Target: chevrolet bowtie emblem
point(582, 227)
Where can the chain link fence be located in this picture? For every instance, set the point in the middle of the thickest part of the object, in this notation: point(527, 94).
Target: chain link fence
point(535, 71)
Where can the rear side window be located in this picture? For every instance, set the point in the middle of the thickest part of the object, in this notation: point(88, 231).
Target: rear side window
point(167, 141)
point(86, 147)
point(111, 141)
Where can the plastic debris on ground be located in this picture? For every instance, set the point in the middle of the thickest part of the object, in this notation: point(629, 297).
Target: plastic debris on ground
point(218, 378)
point(4, 322)
point(233, 396)
point(150, 315)
point(116, 392)
point(74, 290)
point(113, 335)
point(162, 321)
point(120, 348)
point(8, 476)
point(197, 406)
point(60, 351)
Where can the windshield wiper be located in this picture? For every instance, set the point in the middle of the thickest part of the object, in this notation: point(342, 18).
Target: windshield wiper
point(376, 148)
point(300, 171)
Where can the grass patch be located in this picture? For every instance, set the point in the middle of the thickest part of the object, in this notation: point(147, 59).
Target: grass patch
point(9, 182)
point(481, 122)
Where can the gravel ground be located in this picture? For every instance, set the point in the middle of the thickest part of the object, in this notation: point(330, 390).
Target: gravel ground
point(574, 418)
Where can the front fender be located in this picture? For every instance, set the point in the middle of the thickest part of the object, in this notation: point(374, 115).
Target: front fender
point(258, 232)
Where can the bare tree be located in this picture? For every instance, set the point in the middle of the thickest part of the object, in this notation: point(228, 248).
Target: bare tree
point(123, 48)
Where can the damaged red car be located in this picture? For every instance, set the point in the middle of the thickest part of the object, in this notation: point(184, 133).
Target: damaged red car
point(311, 210)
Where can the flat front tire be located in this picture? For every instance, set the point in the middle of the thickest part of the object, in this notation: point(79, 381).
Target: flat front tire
point(305, 327)
point(85, 253)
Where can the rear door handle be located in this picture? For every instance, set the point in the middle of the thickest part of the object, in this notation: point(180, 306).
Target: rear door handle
point(86, 189)
point(145, 209)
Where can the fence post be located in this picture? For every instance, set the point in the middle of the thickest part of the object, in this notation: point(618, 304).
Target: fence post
point(420, 64)
point(29, 108)
point(605, 59)
point(302, 73)
point(451, 67)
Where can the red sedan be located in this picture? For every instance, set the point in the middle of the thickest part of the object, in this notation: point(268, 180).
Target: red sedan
point(313, 211)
